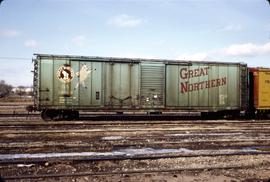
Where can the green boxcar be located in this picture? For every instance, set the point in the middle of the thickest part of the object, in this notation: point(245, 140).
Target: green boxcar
point(64, 85)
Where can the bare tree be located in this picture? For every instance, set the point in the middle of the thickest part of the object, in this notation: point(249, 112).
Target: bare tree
point(21, 91)
point(268, 1)
point(5, 89)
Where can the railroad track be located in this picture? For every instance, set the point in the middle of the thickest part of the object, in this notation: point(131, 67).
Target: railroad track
point(128, 170)
point(18, 115)
point(207, 142)
point(130, 135)
point(256, 146)
point(127, 130)
point(110, 156)
point(144, 121)
point(38, 124)
point(110, 117)
point(116, 117)
point(72, 175)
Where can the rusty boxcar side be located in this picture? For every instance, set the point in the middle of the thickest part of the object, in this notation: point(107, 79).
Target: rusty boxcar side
point(68, 84)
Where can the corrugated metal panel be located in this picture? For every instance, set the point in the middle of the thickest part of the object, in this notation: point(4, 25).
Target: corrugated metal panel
point(68, 83)
point(203, 86)
point(46, 82)
point(63, 74)
point(152, 85)
point(121, 85)
point(86, 84)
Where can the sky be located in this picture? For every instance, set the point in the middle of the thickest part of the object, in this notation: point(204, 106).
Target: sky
point(204, 30)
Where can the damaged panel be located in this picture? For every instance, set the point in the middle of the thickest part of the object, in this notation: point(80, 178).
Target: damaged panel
point(121, 84)
point(88, 83)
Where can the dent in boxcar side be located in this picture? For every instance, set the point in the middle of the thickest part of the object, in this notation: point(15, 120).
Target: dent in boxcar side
point(121, 85)
point(87, 84)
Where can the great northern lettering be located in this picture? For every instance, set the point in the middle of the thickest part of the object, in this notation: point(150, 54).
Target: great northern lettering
point(186, 74)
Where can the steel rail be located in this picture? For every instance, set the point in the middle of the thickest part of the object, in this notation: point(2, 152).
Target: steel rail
point(125, 157)
point(139, 117)
point(97, 116)
point(145, 122)
point(79, 174)
point(233, 144)
point(2, 115)
point(117, 130)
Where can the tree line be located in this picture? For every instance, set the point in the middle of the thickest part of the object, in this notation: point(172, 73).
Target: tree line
point(6, 90)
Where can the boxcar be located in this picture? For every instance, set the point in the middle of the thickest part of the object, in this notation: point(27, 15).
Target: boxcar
point(65, 85)
point(259, 81)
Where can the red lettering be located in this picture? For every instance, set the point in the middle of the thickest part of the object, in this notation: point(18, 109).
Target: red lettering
point(190, 73)
point(202, 72)
point(201, 83)
point(206, 70)
point(196, 86)
point(223, 81)
point(207, 84)
point(190, 87)
point(213, 83)
point(196, 73)
point(183, 73)
point(218, 82)
point(184, 87)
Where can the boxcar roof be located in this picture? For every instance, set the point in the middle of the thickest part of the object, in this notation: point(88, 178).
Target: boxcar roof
point(129, 60)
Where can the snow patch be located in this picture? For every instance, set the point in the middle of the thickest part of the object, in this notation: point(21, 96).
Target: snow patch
point(126, 153)
point(122, 152)
point(204, 134)
point(144, 151)
point(112, 138)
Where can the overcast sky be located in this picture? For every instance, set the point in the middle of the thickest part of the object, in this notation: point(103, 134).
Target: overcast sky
point(213, 30)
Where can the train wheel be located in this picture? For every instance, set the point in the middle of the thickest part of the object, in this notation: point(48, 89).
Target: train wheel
point(209, 115)
point(49, 114)
point(76, 115)
point(45, 116)
point(262, 115)
point(70, 115)
point(56, 115)
point(230, 114)
point(73, 115)
point(65, 115)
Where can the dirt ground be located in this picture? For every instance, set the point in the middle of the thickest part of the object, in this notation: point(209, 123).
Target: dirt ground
point(33, 137)
point(261, 175)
